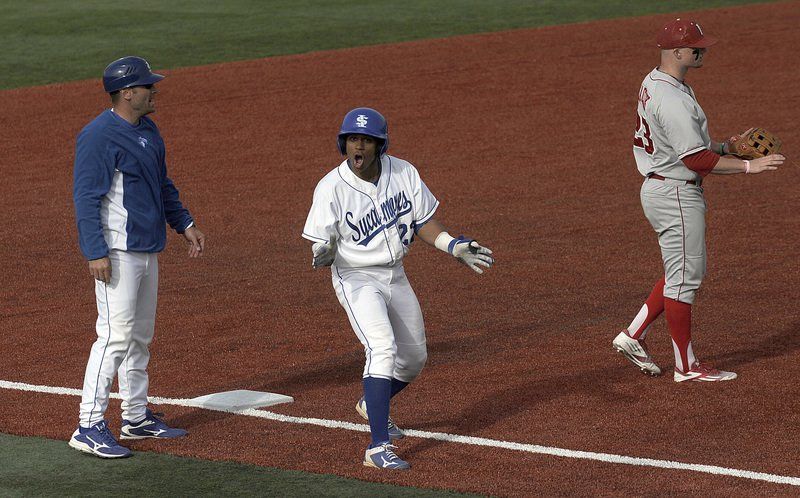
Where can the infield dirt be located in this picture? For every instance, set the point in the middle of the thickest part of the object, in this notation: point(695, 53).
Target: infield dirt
point(525, 137)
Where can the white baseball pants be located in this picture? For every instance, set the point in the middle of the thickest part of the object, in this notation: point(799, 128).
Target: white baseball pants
point(385, 315)
point(126, 312)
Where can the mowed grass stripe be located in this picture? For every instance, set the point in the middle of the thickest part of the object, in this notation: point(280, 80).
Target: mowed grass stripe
point(36, 466)
point(50, 41)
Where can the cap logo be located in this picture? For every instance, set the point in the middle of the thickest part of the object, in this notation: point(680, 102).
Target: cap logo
point(699, 29)
point(361, 121)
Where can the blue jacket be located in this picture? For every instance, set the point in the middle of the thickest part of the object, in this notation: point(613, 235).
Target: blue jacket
point(121, 191)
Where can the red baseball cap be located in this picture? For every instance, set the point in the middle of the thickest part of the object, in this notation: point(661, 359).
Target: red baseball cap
point(683, 33)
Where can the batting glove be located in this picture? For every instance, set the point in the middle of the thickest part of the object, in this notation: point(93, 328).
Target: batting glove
point(466, 251)
point(324, 254)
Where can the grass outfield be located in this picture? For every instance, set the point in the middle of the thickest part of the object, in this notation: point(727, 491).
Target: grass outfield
point(43, 467)
point(49, 41)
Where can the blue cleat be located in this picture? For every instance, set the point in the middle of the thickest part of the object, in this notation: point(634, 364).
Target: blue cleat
point(151, 426)
point(395, 432)
point(98, 441)
point(382, 457)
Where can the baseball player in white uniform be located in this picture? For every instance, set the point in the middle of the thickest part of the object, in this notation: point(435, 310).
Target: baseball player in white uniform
point(364, 216)
point(674, 153)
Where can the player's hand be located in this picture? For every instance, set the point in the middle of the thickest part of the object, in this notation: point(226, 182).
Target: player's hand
point(473, 255)
point(101, 269)
point(196, 240)
point(728, 144)
point(324, 254)
point(766, 163)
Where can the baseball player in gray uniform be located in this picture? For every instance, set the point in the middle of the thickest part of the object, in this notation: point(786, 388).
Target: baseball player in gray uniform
point(364, 216)
point(674, 153)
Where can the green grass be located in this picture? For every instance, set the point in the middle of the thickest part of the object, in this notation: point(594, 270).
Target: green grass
point(47, 41)
point(43, 467)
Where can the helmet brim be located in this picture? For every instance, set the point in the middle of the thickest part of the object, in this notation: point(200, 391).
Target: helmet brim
point(150, 80)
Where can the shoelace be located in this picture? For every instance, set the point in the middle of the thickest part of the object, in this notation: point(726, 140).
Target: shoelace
point(154, 418)
point(157, 417)
point(704, 368)
point(389, 453)
point(105, 435)
point(644, 349)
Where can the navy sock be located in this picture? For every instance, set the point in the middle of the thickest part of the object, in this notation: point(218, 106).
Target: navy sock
point(397, 386)
point(376, 395)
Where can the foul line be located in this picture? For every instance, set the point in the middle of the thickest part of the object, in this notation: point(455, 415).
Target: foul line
point(451, 438)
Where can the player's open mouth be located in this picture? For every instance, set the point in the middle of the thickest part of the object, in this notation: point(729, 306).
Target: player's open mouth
point(358, 160)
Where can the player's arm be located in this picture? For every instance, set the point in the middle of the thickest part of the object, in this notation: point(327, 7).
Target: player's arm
point(465, 250)
point(706, 161)
point(320, 227)
point(324, 253)
point(721, 148)
point(92, 177)
point(178, 216)
point(730, 165)
point(725, 148)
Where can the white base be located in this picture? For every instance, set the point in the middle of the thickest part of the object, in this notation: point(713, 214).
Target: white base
point(239, 400)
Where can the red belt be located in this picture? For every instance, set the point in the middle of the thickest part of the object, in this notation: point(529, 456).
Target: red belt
point(659, 177)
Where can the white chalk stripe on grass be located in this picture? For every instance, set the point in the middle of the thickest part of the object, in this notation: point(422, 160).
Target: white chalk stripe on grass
point(452, 438)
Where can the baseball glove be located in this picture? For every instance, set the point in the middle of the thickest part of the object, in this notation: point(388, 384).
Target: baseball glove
point(754, 143)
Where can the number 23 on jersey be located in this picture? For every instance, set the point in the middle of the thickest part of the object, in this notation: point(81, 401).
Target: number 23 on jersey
point(641, 136)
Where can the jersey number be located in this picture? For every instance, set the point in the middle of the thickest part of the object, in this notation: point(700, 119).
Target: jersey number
point(641, 137)
point(404, 230)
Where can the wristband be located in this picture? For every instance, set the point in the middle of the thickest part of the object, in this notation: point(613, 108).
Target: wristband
point(443, 242)
point(746, 166)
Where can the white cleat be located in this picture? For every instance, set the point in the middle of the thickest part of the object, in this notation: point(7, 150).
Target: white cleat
point(703, 373)
point(636, 352)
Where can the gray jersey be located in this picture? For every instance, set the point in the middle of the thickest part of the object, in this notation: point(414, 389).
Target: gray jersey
point(670, 126)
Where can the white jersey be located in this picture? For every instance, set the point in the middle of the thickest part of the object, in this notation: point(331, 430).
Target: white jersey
point(372, 224)
point(670, 125)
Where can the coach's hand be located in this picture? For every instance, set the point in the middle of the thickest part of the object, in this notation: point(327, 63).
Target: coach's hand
point(197, 241)
point(101, 269)
point(473, 255)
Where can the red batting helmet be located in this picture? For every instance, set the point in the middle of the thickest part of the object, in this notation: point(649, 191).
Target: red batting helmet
point(682, 33)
